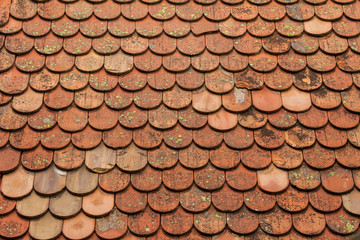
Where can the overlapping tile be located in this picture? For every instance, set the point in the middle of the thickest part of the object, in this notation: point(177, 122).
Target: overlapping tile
point(179, 119)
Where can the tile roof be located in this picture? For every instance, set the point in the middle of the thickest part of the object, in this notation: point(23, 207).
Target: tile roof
point(179, 119)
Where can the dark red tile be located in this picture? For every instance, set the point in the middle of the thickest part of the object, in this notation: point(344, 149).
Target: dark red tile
point(178, 222)
point(7, 205)
point(176, 62)
point(227, 200)
point(331, 137)
point(255, 157)
point(37, 159)
point(342, 118)
point(72, 119)
point(149, 27)
point(337, 179)
point(212, 45)
point(292, 61)
point(103, 118)
point(58, 98)
point(177, 98)
point(235, 178)
point(305, 178)
point(249, 79)
point(217, 11)
point(13, 225)
point(189, 12)
point(88, 98)
point(205, 62)
point(309, 222)
point(147, 180)
point(69, 158)
point(247, 44)
point(276, 222)
point(114, 181)
point(254, 196)
point(162, 44)
point(191, 119)
point(178, 178)
point(272, 11)
point(263, 62)
point(130, 200)
point(25, 138)
point(55, 138)
point(207, 138)
point(324, 201)
point(209, 178)
point(333, 44)
point(269, 137)
point(332, 80)
point(243, 221)
point(341, 222)
point(193, 157)
point(145, 222)
point(219, 81)
point(347, 156)
point(195, 200)
point(162, 157)
point(147, 137)
point(178, 137)
point(176, 28)
point(292, 200)
point(162, 79)
point(60, 62)
point(260, 27)
point(133, 117)
point(163, 200)
point(239, 138)
point(121, 27)
point(282, 119)
point(118, 137)
point(321, 62)
point(88, 138)
point(316, 152)
point(210, 222)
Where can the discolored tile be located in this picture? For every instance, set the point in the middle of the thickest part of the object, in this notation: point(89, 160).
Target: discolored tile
point(8, 60)
point(243, 221)
point(266, 100)
point(300, 137)
point(342, 118)
point(119, 63)
point(131, 158)
point(276, 44)
point(162, 117)
point(77, 44)
point(269, 137)
point(333, 44)
point(147, 180)
point(222, 120)
point(307, 80)
point(81, 181)
point(263, 62)
point(78, 227)
point(178, 178)
point(51, 10)
point(260, 27)
point(36, 27)
point(111, 226)
point(23, 10)
point(147, 137)
point(121, 27)
point(341, 222)
point(350, 201)
point(98, 203)
point(205, 101)
point(317, 27)
point(195, 200)
point(50, 181)
point(74, 79)
point(305, 178)
point(19, 43)
point(45, 227)
point(291, 61)
point(65, 204)
point(18, 183)
point(252, 118)
point(272, 179)
point(253, 197)
point(193, 157)
point(321, 62)
point(5, 8)
point(162, 157)
point(6, 204)
point(11, 120)
point(32, 206)
point(44, 80)
point(344, 27)
point(305, 44)
point(101, 159)
point(286, 157)
point(69, 157)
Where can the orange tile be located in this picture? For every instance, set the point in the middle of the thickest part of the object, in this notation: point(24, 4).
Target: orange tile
point(266, 100)
point(211, 221)
point(243, 221)
point(195, 199)
point(324, 201)
point(177, 222)
point(309, 222)
point(163, 200)
point(254, 196)
point(305, 178)
point(144, 223)
point(292, 200)
point(130, 200)
point(226, 199)
point(276, 222)
point(78, 227)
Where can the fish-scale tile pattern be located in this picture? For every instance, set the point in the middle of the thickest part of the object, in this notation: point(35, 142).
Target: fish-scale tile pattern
point(173, 119)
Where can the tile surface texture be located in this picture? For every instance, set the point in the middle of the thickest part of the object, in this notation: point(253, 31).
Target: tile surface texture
point(180, 119)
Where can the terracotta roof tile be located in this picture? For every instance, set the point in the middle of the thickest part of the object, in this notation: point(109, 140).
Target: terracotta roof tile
point(160, 88)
